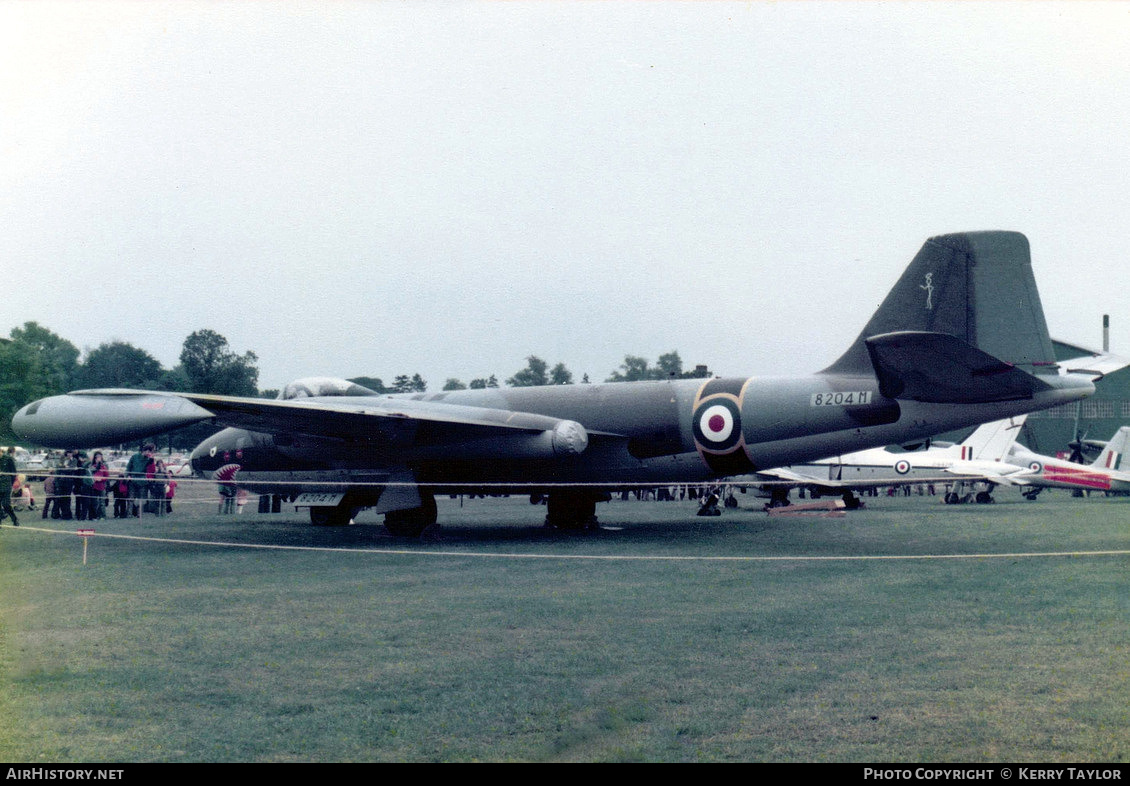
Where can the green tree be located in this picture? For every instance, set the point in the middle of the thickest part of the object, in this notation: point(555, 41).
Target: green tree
point(480, 383)
point(634, 368)
point(174, 379)
point(21, 381)
point(560, 375)
point(212, 367)
point(669, 366)
point(533, 375)
point(120, 365)
point(453, 384)
point(405, 384)
point(58, 358)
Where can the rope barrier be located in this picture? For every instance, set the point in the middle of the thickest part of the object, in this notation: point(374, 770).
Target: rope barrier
point(607, 557)
point(297, 481)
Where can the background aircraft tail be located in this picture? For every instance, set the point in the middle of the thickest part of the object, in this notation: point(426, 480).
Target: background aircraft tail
point(991, 441)
point(977, 286)
point(1112, 453)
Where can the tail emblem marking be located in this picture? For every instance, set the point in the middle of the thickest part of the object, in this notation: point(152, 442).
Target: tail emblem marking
point(929, 287)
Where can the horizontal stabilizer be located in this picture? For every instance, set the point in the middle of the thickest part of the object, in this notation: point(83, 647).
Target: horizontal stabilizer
point(942, 369)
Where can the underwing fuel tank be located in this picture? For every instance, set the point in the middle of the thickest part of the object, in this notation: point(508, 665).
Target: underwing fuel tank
point(102, 417)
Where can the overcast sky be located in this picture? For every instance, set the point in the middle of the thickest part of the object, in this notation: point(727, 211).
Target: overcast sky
point(445, 188)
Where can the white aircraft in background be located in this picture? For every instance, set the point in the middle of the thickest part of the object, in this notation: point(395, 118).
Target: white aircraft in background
point(973, 467)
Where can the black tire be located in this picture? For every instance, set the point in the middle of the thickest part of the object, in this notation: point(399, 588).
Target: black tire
point(411, 523)
point(570, 511)
point(331, 515)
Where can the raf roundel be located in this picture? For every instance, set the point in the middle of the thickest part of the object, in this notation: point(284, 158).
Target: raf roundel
point(717, 424)
point(902, 467)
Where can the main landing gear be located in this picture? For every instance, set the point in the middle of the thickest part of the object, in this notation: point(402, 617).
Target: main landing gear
point(409, 523)
point(412, 523)
point(574, 510)
point(332, 515)
point(779, 497)
point(981, 498)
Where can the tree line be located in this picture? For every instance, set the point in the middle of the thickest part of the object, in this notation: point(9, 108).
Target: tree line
point(35, 362)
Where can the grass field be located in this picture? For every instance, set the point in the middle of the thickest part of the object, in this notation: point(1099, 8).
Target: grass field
point(664, 637)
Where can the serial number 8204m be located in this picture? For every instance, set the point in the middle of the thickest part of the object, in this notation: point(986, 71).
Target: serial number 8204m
point(842, 399)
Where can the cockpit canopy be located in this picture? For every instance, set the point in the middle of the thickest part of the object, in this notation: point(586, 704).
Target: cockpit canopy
point(309, 387)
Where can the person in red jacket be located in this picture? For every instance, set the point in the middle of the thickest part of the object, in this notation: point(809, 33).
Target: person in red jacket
point(101, 474)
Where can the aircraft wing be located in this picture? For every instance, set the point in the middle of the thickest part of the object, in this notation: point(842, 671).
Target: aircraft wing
point(785, 478)
point(1003, 474)
point(1099, 364)
point(99, 417)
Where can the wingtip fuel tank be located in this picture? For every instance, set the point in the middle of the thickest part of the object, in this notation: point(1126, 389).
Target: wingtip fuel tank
point(101, 417)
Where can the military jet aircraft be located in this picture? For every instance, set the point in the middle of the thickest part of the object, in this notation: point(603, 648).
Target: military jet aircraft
point(1103, 474)
point(960, 340)
point(979, 462)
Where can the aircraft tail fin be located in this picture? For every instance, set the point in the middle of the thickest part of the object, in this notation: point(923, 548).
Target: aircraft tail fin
point(1112, 453)
point(991, 441)
point(977, 286)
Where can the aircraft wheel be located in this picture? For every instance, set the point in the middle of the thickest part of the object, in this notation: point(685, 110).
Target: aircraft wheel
point(952, 498)
point(411, 523)
point(983, 498)
point(570, 511)
point(331, 515)
point(779, 498)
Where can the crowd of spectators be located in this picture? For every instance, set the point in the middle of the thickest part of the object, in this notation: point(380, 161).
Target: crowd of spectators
point(83, 487)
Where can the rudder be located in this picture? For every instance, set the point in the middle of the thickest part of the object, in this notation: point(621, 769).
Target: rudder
point(1111, 456)
point(992, 441)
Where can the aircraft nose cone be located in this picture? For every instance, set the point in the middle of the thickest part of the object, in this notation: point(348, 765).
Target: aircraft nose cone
point(19, 421)
point(200, 460)
point(24, 422)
